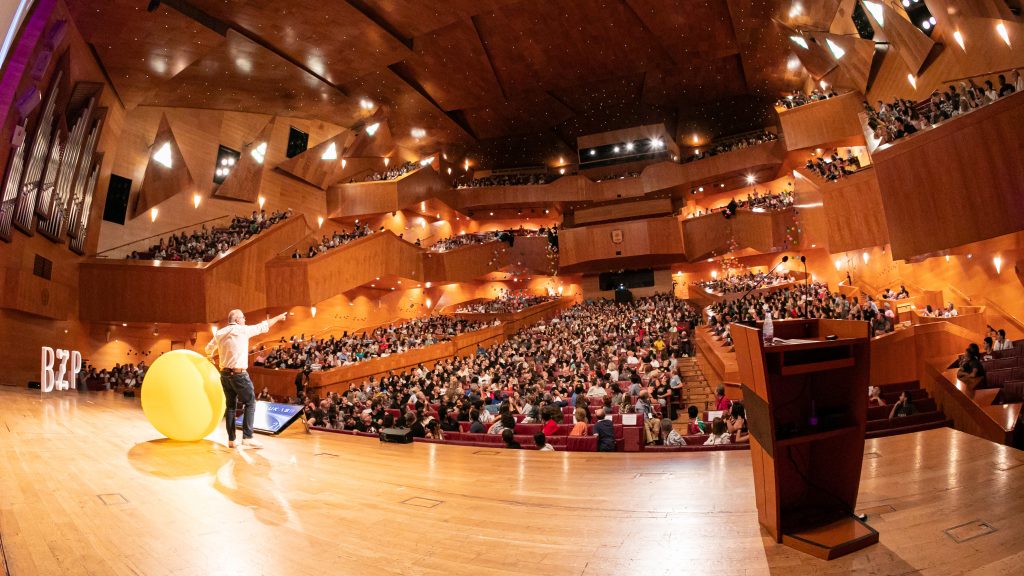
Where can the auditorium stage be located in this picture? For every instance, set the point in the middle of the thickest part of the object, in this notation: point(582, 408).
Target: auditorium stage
point(88, 487)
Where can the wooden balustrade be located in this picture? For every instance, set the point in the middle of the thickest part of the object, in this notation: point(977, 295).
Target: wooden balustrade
point(823, 122)
point(185, 292)
point(970, 318)
point(713, 234)
point(361, 199)
point(956, 183)
point(643, 242)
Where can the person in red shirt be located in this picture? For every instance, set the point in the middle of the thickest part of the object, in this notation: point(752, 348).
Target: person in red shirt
point(721, 402)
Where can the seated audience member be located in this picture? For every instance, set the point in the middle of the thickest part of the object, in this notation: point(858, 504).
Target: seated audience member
point(605, 431)
point(506, 422)
point(874, 396)
point(477, 427)
point(542, 442)
point(450, 422)
point(719, 433)
point(414, 425)
point(694, 424)
point(737, 423)
point(722, 403)
point(434, 430)
point(265, 395)
point(903, 407)
point(903, 293)
point(1001, 343)
point(669, 436)
point(986, 353)
point(972, 371)
point(951, 311)
point(580, 428)
point(509, 438)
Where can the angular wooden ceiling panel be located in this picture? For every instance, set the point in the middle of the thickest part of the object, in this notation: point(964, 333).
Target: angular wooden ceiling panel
point(246, 77)
point(689, 29)
point(332, 39)
point(141, 50)
point(166, 172)
point(451, 65)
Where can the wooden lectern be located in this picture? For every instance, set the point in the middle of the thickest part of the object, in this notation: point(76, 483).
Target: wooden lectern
point(806, 405)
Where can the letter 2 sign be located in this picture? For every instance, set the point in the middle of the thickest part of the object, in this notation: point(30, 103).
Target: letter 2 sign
point(50, 380)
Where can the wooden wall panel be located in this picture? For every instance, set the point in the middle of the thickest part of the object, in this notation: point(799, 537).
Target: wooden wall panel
point(853, 212)
point(823, 122)
point(623, 211)
point(642, 237)
point(713, 234)
point(362, 199)
point(970, 167)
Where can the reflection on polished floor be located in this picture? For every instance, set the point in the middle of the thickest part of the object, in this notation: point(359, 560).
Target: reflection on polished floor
point(88, 487)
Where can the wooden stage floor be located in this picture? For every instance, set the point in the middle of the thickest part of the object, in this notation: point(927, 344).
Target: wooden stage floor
point(88, 487)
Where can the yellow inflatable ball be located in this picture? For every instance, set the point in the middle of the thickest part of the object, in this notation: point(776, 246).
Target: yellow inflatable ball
point(182, 396)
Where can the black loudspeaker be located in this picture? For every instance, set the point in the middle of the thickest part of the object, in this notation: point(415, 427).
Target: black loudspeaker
point(396, 435)
point(623, 296)
point(35, 385)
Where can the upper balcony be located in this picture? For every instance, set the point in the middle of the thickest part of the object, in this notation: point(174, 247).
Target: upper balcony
point(956, 183)
point(824, 122)
point(185, 292)
point(851, 208)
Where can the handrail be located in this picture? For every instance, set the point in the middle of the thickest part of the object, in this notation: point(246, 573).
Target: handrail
point(164, 233)
point(980, 75)
point(957, 291)
point(1002, 312)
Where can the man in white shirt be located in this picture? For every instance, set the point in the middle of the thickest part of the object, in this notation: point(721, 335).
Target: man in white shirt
point(231, 344)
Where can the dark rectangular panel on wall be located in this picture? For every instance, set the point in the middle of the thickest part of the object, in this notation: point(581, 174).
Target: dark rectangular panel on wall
point(626, 279)
point(116, 208)
point(298, 141)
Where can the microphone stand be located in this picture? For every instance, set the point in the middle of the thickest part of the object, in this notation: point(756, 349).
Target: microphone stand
point(807, 289)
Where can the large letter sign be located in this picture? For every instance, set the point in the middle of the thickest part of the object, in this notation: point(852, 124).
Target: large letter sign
point(58, 360)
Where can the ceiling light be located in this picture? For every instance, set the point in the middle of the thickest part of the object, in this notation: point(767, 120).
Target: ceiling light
point(799, 41)
point(331, 153)
point(932, 20)
point(372, 128)
point(163, 155)
point(418, 133)
point(616, 149)
point(366, 104)
point(259, 152)
point(593, 152)
point(876, 12)
point(428, 160)
point(629, 145)
point(751, 179)
point(926, 25)
point(835, 49)
point(657, 143)
point(1001, 30)
point(196, 199)
point(561, 170)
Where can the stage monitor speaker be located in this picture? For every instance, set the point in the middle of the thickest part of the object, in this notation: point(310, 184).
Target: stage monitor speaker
point(623, 296)
point(396, 435)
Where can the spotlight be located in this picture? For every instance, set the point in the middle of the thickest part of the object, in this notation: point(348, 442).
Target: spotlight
point(332, 152)
point(799, 41)
point(259, 153)
point(616, 149)
point(418, 133)
point(629, 145)
point(372, 128)
point(593, 152)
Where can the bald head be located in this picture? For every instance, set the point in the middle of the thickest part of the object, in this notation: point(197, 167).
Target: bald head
point(236, 317)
